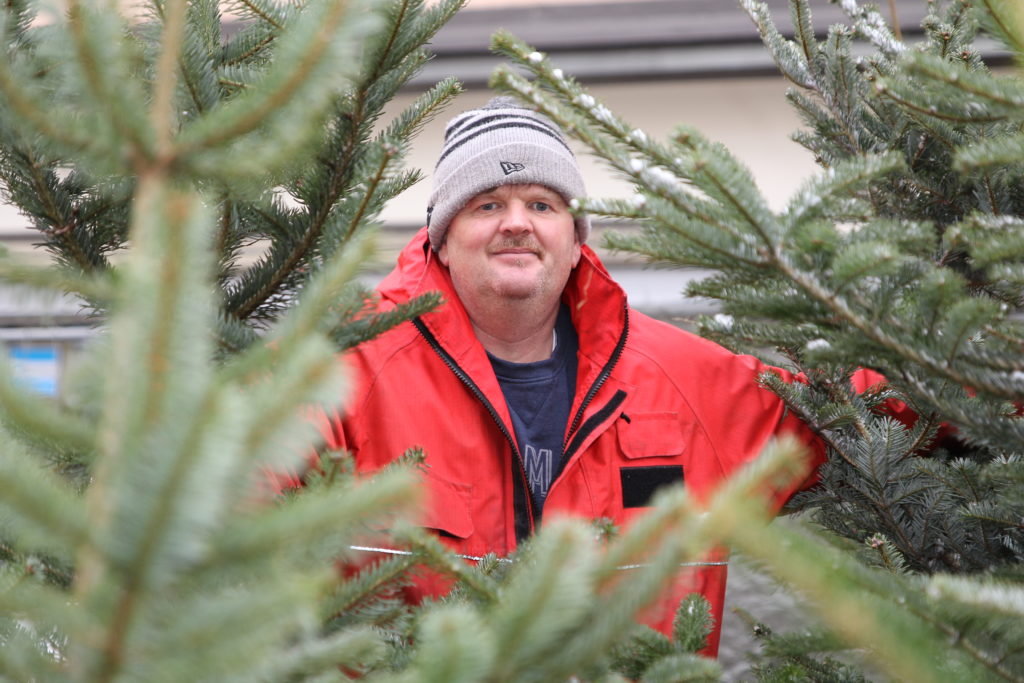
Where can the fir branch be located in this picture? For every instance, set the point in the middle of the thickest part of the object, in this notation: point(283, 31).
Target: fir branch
point(136, 572)
point(886, 90)
point(801, 13)
point(273, 281)
point(62, 229)
point(119, 109)
point(245, 56)
point(958, 639)
point(261, 12)
point(439, 557)
point(340, 174)
point(426, 107)
point(379, 174)
point(1008, 19)
point(836, 304)
point(762, 227)
point(161, 112)
point(88, 286)
point(397, 24)
point(58, 575)
point(38, 414)
point(1001, 92)
point(44, 511)
point(1001, 151)
point(34, 112)
point(192, 81)
point(871, 24)
point(787, 57)
point(352, 646)
point(232, 85)
point(255, 113)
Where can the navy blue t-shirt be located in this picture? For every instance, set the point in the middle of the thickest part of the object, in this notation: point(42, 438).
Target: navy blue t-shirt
point(539, 396)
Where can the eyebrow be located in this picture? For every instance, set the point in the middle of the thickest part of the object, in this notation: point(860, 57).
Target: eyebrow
point(541, 192)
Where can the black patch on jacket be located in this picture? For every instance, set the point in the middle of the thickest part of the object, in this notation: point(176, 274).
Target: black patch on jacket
point(640, 483)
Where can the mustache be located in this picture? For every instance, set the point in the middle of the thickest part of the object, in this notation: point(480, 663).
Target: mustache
point(526, 242)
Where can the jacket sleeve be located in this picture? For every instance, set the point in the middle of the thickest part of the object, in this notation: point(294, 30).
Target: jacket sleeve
point(332, 436)
point(761, 416)
point(740, 417)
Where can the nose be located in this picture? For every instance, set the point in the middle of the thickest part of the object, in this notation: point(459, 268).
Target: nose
point(516, 218)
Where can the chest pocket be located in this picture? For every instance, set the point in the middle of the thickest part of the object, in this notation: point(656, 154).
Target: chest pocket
point(650, 435)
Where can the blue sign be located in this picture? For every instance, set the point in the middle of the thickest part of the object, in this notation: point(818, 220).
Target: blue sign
point(36, 367)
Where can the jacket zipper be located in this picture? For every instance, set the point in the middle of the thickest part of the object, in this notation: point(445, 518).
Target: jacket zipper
point(573, 439)
point(521, 502)
point(521, 498)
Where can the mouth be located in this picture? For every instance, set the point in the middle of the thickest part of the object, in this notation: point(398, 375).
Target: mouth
point(515, 252)
point(517, 257)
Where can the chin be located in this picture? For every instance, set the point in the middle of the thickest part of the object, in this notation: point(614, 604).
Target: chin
point(516, 292)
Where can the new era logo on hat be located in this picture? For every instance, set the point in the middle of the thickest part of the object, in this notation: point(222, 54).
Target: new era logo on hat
point(511, 167)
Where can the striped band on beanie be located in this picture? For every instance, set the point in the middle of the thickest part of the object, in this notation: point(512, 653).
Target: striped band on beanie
point(502, 143)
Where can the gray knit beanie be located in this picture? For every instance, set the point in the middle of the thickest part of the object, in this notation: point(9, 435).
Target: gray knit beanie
point(502, 143)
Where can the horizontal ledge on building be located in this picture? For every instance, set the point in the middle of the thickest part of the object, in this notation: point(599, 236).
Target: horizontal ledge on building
point(602, 64)
point(37, 333)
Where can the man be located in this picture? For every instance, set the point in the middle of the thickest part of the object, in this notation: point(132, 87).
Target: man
point(534, 389)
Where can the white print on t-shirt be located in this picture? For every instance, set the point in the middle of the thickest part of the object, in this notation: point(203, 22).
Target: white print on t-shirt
point(539, 465)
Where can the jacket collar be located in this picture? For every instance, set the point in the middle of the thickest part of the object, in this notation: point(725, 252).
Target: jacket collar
point(596, 302)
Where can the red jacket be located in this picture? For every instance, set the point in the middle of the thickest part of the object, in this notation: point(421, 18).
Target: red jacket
point(653, 403)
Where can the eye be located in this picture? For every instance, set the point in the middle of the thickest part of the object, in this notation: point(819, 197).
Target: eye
point(542, 207)
point(488, 206)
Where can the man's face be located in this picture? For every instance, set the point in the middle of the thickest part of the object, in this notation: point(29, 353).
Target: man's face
point(511, 242)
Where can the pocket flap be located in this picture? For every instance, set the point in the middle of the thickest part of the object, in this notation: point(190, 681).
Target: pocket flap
point(649, 435)
point(447, 507)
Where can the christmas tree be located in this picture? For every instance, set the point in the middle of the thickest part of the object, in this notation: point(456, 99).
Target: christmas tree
point(150, 152)
point(904, 255)
point(138, 540)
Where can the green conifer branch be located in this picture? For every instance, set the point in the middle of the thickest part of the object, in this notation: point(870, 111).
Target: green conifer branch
point(305, 527)
point(199, 96)
point(35, 413)
point(1007, 17)
point(339, 174)
point(805, 39)
point(791, 61)
point(87, 286)
point(711, 174)
point(284, 268)
point(62, 227)
point(134, 576)
point(927, 111)
point(115, 99)
point(1003, 151)
point(247, 114)
point(371, 584)
point(179, 438)
point(263, 12)
point(872, 330)
point(439, 557)
point(903, 638)
point(161, 111)
point(33, 111)
point(309, 659)
point(47, 510)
